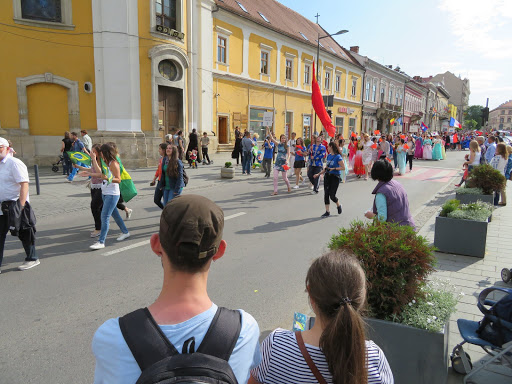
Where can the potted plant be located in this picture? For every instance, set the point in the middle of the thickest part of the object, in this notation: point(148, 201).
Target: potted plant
point(462, 228)
point(397, 262)
point(227, 172)
point(482, 178)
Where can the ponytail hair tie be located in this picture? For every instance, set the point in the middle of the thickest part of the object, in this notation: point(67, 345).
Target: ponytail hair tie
point(345, 301)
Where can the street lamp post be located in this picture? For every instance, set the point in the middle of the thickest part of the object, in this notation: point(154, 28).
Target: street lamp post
point(318, 57)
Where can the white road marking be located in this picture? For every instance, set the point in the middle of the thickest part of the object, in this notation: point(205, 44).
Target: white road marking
point(146, 242)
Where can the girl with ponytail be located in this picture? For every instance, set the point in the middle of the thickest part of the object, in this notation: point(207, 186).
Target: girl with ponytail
point(334, 351)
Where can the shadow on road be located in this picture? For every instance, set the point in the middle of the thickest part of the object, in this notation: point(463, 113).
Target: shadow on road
point(282, 226)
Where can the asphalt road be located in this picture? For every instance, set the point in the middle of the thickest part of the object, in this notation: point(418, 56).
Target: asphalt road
point(50, 313)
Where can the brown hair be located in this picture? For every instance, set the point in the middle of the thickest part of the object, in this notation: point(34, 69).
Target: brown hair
point(83, 131)
point(336, 284)
point(334, 148)
point(285, 142)
point(67, 134)
point(501, 149)
point(108, 152)
point(172, 167)
point(163, 146)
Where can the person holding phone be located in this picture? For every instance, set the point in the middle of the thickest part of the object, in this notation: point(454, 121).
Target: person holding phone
point(332, 172)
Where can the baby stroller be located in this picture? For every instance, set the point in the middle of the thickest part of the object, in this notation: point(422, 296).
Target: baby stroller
point(493, 333)
point(55, 167)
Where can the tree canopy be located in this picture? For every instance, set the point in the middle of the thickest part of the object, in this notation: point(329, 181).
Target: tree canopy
point(474, 112)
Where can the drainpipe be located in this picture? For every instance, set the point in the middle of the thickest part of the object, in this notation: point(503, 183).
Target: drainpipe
point(363, 88)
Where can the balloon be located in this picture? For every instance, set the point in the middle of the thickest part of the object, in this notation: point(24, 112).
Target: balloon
point(377, 132)
point(286, 167)
point(406, 146)
point(354, 134)
point(374, 146)
point(402, 136)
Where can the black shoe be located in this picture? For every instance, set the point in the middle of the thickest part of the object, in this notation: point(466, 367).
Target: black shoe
point(326, 214)
point(339, 209)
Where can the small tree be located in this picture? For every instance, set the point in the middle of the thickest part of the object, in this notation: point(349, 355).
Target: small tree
point(486, 178)
point(395, 259)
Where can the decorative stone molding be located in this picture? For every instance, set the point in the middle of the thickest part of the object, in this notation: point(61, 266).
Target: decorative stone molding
point(73, 99)
point(176, 54)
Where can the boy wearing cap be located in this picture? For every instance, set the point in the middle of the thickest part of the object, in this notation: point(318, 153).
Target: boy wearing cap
point(14, 181)
point(190, 238)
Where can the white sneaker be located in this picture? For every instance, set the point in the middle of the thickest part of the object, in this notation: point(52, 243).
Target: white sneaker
point(129, 213)
point(123, 236)
point(97, 245)
point(296, 187)
point(28, 264)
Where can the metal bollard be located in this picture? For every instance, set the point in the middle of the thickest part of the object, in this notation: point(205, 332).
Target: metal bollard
point(36, 171)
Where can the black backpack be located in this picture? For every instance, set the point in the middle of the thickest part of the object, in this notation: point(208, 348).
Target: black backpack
point(496, 326)
point(161, 363)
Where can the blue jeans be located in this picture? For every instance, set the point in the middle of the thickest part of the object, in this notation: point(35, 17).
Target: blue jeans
point(246, 163)
point(169, 194)
point(109, 209)
point(74, 171)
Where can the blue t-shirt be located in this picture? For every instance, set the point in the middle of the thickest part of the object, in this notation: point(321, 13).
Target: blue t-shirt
point(115, 363)
point(269, 150)
point(301, 149)
point(333, 161)
point(77, 146)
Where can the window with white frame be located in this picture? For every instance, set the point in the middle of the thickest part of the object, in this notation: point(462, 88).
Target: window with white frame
point(307, 74)
point(382, 93)
point(367, 91)
point(264, 62)
point(354, 86)
point(56, 14)
point(289, 69)
point(338, 83)
point(222, 45)
point(338, 122)
point(374, 92)
point(401, 99)
point(397, 97)
point(327, 83)
point(390, 95)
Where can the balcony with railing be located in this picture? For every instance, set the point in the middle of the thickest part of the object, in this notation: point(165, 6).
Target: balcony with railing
point(391, 107)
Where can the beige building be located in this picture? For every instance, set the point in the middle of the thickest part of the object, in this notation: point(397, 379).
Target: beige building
point(501, 118)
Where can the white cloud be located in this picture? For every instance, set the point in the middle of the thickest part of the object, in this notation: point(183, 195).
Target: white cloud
point(478, 26)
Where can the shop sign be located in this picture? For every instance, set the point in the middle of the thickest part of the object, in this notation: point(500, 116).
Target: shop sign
point(346, 110)
point(268, 119)
point(307, 121)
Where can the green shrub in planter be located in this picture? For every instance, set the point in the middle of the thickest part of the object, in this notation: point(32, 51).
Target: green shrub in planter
point(307, 142)
point(228, 164)
point(478, 211)
point(470, 191)
point(449, 206)
point(486, 178)
point(432, 309)
point(396, 261)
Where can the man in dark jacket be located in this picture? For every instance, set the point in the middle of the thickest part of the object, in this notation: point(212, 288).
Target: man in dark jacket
point(14, 181)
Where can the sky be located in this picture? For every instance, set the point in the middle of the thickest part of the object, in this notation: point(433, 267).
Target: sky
point(470, 38)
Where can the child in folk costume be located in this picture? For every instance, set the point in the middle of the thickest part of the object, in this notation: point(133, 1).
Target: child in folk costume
point(437, 152)
point(443, 149)
point(427, 149)
point(359, 168)
point(344, 155)
point(401, 154)
point(352, 149)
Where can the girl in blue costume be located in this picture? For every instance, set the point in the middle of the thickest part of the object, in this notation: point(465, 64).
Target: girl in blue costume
point(344, 155)
point(333, 167)
point(427, 149)
point(401, 157)
point(437, 152)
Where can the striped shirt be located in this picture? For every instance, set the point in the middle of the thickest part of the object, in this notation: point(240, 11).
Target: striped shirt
point(282, 362)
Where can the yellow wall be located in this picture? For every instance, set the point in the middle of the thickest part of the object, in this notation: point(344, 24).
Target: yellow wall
point(28, 56)
point(235, 48)
point(255, 58)
point(146, 42)
point(453, 110)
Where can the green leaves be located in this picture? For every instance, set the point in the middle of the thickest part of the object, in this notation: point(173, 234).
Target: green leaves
point(449, 206)
point(396, 261)
point(486, 178)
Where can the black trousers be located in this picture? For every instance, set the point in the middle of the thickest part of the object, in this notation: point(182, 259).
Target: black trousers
point(312, 171)
point(331, 184)
point(96, 207)
point(27, 240)
point(409, 159)
point(159, 193)
point(205, 155)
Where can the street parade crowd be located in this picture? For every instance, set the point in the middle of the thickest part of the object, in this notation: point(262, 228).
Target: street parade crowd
point(334, 350)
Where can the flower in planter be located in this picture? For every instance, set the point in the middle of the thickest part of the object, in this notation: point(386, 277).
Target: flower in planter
point(478, 211)
point(469, 191)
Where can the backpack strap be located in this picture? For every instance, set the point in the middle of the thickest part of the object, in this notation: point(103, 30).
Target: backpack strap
point(145, 339)
point(221, 337)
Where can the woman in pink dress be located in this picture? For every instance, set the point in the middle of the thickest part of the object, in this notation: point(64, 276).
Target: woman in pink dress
point(418, 153)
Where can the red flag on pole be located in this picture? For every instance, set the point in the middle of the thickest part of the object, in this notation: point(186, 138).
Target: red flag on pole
point(319, 106)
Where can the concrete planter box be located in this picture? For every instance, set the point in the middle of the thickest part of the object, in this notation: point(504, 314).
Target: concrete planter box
point(468, 199)
point(461, 237)
point(227, 173)
point(414, 355)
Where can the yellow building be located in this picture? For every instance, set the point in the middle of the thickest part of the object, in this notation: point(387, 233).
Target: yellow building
point(452, 109)
point(117, 68)
point(262, 61)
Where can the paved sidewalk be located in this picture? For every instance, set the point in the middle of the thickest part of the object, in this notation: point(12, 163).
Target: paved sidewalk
point(471, 275)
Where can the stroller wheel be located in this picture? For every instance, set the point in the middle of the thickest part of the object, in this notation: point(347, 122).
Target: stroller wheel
point(55, 168)
point(506, 275)
point(458, 365)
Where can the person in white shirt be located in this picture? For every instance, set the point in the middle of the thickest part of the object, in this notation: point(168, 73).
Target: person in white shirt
point(86, 139)
point(292, 143)
point(14, 181)
point(499, 162)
